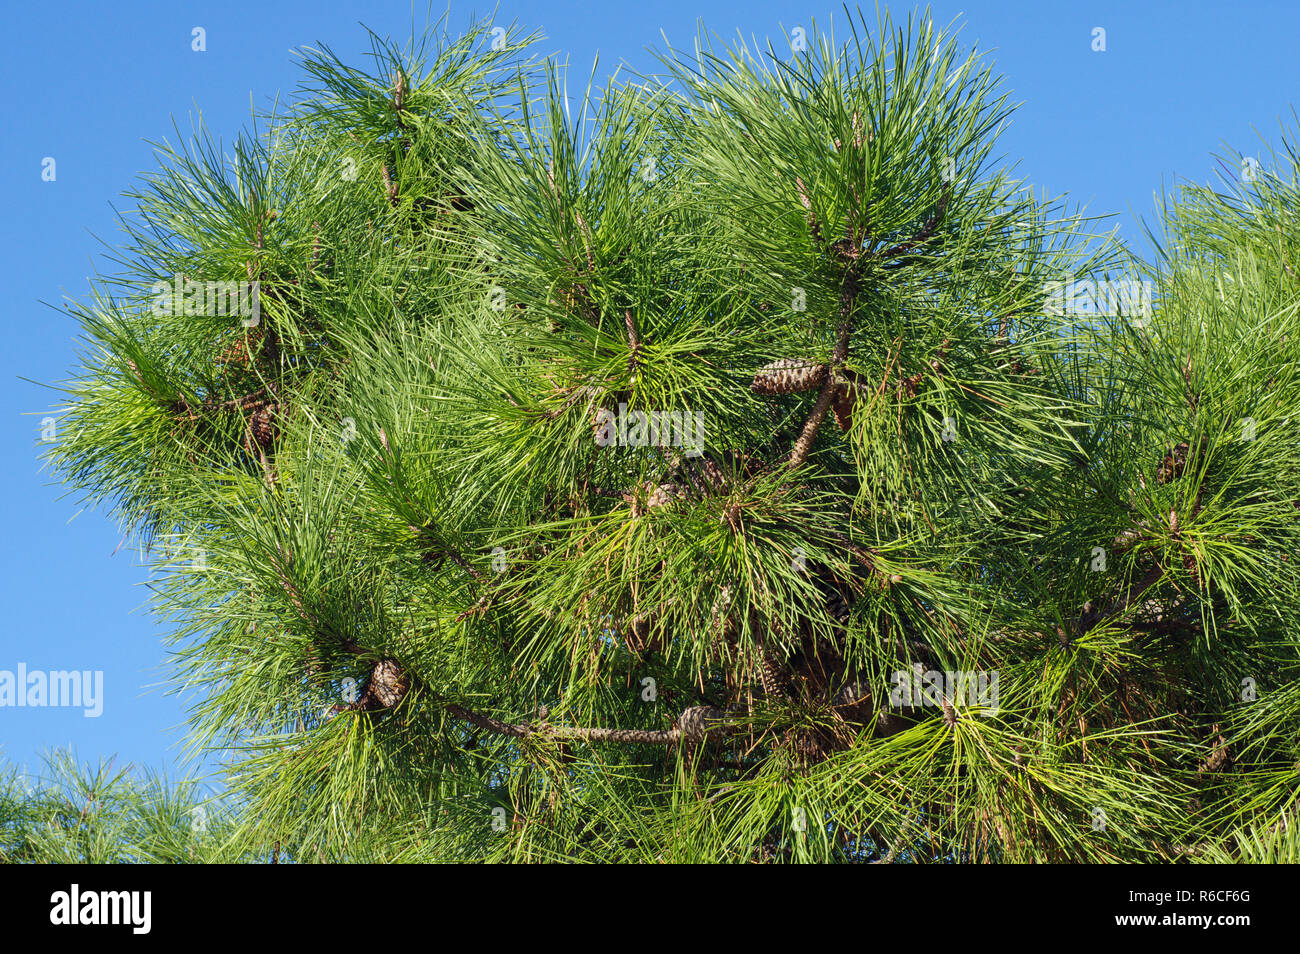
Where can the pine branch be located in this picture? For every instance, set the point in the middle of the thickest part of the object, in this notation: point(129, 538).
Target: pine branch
point(848, 292)
point(693, 724)
point(1090, 618)
point(924, 235)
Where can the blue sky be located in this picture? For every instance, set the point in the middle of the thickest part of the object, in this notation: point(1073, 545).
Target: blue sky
point(89, 83)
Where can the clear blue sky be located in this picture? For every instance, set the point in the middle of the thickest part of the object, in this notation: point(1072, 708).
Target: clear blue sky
point(87, 83)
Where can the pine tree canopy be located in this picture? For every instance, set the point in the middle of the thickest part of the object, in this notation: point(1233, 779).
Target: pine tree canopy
point(733, 464)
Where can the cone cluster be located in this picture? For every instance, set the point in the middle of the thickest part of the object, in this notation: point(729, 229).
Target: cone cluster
point(793, 375)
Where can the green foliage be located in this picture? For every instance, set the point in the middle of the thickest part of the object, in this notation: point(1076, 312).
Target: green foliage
point(97, 814)
point(435, 613)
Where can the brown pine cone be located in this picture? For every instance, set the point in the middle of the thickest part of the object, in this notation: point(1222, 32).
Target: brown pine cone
point(842, 402)
point(695, 722)
point(1219, 757)
point(788, 375)
point(713, 476)
point(644, 635)
point(1171, 468)
point(388, 685)
point(847, 249)
point(771, 674)
point(241, 350)
point(262, 425)
point(662, 495)
point(1175, 462)
point(950, 716)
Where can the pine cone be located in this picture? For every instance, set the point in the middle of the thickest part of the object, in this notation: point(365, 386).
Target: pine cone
point(696, 721)
point(644, 636)
point(853, 693)
point(714, 478)
point(909, 386)
point(388, 685)
point(842, 402)
point(662, 495)
point(837, 607)
point(241, 350)
point(771, 675)
point(949, 713)
point(788, 375)
point(1219, 756)
point(1173, 465)
point(262, 425)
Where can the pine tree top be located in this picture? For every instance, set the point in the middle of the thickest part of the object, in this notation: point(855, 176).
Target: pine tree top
point(738, 467)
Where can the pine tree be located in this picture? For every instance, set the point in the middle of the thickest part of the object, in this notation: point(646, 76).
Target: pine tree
point(515, 526)
point(78, 813)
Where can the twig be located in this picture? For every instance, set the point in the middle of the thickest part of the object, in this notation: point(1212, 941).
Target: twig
point(814, 227)
point(693, 724)
point(804, 444)
point(927, 230)
point(633, 341)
